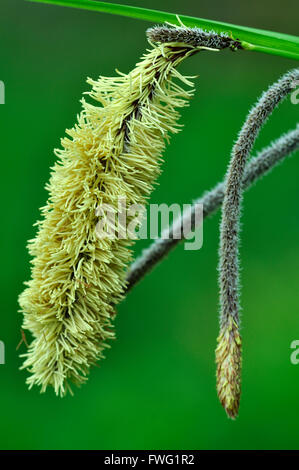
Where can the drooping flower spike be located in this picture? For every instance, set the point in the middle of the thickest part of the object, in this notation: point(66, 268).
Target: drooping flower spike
point(113, 151)
point(229, 345)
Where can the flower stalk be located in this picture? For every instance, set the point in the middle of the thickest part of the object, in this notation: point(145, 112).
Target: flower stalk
point(212, 200)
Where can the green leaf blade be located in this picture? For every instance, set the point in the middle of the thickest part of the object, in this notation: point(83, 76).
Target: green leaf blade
point(252, 39)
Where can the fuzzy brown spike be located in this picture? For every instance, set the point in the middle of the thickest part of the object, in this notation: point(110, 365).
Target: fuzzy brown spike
point(192, 36)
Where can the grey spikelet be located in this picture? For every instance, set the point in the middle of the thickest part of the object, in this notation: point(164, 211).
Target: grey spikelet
point(228, 352)
point(192, 36)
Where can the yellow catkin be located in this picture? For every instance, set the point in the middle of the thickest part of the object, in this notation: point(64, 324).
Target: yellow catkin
point(229, 363)
point(114, 150)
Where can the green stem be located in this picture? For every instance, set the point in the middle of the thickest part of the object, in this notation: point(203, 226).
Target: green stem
point(252, 39)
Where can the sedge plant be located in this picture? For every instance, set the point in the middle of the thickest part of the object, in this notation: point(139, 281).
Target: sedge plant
point(115, 150)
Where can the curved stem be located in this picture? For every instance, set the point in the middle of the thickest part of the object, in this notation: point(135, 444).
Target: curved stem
point(258, 166)
point(228, 352)
point(251, 39)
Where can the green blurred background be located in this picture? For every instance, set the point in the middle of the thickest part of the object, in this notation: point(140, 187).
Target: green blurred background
point(156, 387)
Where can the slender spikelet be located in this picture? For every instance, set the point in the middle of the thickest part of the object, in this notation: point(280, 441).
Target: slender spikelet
point(228, 351)
point(114, 150)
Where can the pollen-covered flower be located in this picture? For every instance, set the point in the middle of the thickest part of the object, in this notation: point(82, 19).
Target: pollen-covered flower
point(114, 150)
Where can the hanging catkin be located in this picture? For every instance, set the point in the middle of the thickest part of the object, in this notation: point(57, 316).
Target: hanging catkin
point(114, 150)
